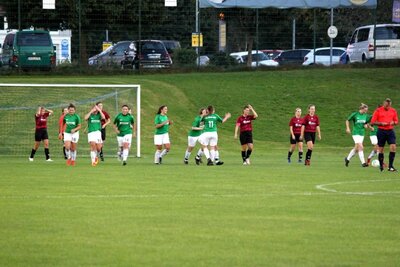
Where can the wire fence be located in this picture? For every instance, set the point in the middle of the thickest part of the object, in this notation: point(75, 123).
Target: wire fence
point(92, 23)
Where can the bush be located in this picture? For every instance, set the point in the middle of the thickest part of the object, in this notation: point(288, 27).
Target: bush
point(223, 59)
point(184, 57)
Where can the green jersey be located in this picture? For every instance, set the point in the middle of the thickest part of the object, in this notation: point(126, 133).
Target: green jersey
point(94, 122)
point(72, 121)
point(124, 123)
point(196, 123)
point(359, 120)
point(160, 119)
point(210, 122)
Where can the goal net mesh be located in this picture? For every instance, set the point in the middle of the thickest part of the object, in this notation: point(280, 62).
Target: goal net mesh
point(18, 105)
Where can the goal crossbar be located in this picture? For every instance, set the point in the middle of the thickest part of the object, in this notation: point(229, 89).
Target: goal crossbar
point(138, 105)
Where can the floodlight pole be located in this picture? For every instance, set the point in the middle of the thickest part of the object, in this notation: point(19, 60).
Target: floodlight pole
point(198, 33)
point(19, 15)
point(331, 40)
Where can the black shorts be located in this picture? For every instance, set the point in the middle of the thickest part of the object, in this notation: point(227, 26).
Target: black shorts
point(41, 134)
point(246, 138)
point(386, 136)
point(295, 140)
point(103, 134)
point(308, 136)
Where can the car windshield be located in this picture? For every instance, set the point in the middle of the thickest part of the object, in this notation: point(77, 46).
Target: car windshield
point(33, 39)
point(256, 57)
point(106, 51)
point(152, 47)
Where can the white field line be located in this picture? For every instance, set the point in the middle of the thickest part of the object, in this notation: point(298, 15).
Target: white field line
point(330, 187)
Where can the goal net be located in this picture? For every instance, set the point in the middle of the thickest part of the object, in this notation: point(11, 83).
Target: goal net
point(19, 103)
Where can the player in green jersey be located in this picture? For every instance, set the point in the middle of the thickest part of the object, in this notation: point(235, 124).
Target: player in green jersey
point(360, 119)
point(72, 124)
point(210, 136)
point(193, 136)
point(124, 126)
point(161, 135)
point(93, 118)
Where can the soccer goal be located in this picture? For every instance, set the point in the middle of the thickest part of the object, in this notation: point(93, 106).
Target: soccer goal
point(19, 103)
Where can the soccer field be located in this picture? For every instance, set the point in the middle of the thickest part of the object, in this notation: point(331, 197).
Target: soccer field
point(270, 213)
point(267, 214)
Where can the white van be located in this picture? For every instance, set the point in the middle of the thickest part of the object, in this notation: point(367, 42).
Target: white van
point(387, 44)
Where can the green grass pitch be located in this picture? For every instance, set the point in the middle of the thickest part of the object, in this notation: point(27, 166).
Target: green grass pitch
point(270, 213)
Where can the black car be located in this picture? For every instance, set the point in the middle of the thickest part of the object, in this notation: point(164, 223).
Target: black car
point(292, 57)
point(151, 54)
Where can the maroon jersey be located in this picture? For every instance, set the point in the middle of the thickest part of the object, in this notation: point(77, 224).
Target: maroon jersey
point(310, 123)
point(296, 123)
point(244, 122)
point(107, 117)
point(41, 120)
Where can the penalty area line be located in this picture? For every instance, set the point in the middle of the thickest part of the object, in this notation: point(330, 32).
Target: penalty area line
point(330, 187)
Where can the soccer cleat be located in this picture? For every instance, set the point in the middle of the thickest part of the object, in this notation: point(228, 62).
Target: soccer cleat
point(244, 162)
point(289, 160)
point(160, 160)
point(300, 161)
point(381, 169)
point(96, 160)
point(124, 163)
point(94, 164)
point(101, 157)
point(248, 161)
point(72, 162)
point(49, 160)
point(186, 161)
point(364, 165)
point(197, 160)
point(346, 162)
point(307, 162)
point(219, 163)
point(392, 169)
point(209, 162)
point(30, 159)
point(68, 162)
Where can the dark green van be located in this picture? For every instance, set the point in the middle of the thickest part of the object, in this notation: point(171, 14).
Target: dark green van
point(29, 49)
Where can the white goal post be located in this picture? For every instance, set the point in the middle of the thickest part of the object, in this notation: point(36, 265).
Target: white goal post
point(113, 86)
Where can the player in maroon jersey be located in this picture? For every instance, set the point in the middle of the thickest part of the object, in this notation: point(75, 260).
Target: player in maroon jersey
point(308, 130)
point(104, 123)
point(41, 132)
point(243, 123)
point(295, 131)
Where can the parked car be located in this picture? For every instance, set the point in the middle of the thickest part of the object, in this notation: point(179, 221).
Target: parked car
point(113, 55)
point(323, 56)
point(203, 61)
point(153, 54)
point(362, 48)
point(28, 49)
point(292, 57)
point(258, 57)
point(171, 45)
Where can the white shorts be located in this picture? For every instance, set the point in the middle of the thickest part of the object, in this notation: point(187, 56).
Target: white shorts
point(358, 139)
point(161, 139)
point(124, 139)
point(374, 139)
point(71, 137)
point(209, 138)
point(192, 140)
point(95, 137)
